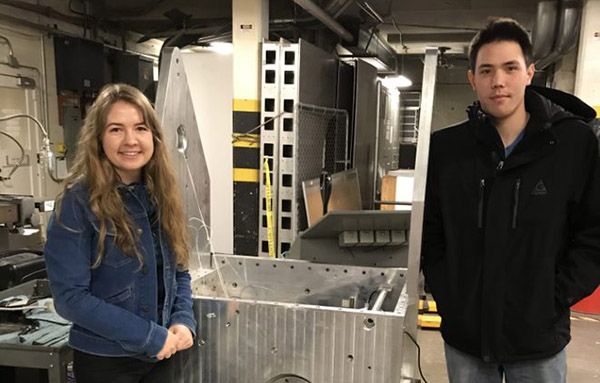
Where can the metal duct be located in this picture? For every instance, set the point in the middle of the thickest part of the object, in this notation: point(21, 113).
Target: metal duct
point(323, 17)
point(543, 33)
point(566, 33)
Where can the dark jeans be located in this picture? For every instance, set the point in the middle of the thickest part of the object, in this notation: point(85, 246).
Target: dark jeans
point(104, 369)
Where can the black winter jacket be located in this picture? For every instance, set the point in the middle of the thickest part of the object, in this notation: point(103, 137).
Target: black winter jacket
point(509, 244)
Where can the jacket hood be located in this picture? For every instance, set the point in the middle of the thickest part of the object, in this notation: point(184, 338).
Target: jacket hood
point(556, 104)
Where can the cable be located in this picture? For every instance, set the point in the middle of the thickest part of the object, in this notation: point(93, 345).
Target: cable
point(244, 136)
point(47, 156)
point(13, 60)
point(31, 274)
point(404, 47)
point(21, 308)
point(418, 355)
point(282, 376)
point(37, 122)
point(371, 297)
point(20, 160)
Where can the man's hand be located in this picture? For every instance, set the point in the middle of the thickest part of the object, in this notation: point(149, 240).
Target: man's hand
point(170, 346)
point(184, 336)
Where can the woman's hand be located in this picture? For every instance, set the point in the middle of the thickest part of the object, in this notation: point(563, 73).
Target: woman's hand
point(170, 346)
point(184, 336)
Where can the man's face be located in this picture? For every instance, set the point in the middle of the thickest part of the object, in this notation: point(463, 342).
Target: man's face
point(500, 78)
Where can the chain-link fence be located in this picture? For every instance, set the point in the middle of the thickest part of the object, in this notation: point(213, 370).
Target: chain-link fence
point(321, 145)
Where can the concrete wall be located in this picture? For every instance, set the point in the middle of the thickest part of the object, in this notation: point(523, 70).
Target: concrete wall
point(450, 104)
point(453, 92)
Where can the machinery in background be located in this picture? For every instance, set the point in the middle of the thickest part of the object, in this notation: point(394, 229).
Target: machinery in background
point(20, 222)
point(338, 313)
point(21, 240)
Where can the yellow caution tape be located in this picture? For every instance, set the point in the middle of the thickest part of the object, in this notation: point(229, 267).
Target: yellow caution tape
point(270, 235)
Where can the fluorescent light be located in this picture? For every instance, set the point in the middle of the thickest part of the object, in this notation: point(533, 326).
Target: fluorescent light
point(393, 82)
point(222, 48)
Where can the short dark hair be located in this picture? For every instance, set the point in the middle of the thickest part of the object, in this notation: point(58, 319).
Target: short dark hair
point(500, 29)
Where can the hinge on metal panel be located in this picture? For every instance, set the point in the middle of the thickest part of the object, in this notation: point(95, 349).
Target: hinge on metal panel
point(25, 82)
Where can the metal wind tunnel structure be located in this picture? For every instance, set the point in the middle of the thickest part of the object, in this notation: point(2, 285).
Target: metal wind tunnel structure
point(339, 308)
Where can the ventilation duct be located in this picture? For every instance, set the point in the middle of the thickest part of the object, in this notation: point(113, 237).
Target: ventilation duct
point(556, 30)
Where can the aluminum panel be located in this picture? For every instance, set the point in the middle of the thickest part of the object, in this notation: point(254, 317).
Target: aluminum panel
point(317, 76)
point(258, 323)
point(365, 129)
point(178, 118)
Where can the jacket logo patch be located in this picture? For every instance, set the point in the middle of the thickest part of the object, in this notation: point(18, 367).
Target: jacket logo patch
point(539, 189)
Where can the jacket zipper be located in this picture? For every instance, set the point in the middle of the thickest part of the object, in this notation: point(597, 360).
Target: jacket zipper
point(516, 203)
point(480, 206)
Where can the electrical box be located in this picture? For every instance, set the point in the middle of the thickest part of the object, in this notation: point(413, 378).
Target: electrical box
point(134, 70)
point(80, 64)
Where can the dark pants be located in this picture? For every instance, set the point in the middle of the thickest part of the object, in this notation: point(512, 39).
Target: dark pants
point(104, 369)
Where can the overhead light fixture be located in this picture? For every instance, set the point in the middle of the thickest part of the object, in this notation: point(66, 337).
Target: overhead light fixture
point(222, 48)
point(393, 82)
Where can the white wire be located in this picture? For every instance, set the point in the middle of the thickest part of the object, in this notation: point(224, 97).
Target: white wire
point(204, 225)
point(37, 122)
point(22, 153)
point(21, 308)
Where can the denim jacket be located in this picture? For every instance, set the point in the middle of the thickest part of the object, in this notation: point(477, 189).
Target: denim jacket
point(113, 307)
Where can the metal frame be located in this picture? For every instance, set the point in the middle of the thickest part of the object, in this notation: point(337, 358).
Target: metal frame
point(287, 177)
point(291, 74)
point(53, 359)
point(418, 205)
point(271, 117)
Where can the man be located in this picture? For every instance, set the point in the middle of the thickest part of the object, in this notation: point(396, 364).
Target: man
point(511, 234)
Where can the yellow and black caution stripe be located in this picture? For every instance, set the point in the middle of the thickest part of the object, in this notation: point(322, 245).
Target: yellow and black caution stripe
point(428, 315)
point(246, 175)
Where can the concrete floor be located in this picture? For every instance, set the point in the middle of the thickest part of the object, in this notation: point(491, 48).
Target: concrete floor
point(583, 353)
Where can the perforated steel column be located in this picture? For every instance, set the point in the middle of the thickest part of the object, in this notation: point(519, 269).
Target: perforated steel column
point(269, 138)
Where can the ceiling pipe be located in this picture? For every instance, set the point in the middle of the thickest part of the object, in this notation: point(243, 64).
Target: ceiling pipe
point(566, 32)
point(544, 29)
point(323, 17)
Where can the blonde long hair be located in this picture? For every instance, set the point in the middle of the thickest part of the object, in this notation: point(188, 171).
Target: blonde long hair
point(98, 175)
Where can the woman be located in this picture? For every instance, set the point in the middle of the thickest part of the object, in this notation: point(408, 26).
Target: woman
point(117, 252)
